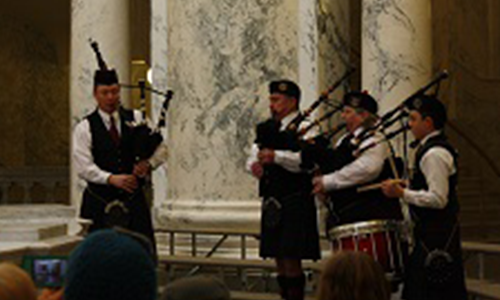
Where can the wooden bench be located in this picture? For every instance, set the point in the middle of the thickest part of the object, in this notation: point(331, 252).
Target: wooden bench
point(483, 289)
point(242, 267)
point(229, 262)
point(237, 295)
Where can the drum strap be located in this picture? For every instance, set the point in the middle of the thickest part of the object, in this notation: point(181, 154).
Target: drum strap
point(438, 263)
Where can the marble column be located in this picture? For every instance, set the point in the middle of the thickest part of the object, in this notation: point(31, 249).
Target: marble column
point(334, 43)
point(396, 48)
point(396, 54)
point(220, 57)
point(159, 54)
point(106, 22)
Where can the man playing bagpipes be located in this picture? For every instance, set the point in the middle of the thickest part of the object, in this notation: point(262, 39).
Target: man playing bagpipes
point(348, 170)
point(105, 155)
point(289, 230)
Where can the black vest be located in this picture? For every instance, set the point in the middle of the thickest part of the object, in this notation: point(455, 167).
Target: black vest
point(109, 157)
point(278, 182)
point(348, 205)
point(429, 218)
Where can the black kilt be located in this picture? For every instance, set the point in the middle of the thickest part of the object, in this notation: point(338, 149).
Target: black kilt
point(93, 206)
point(416, 286)
point(295, 234)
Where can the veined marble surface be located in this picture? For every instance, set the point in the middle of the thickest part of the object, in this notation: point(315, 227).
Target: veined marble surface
point(396, 48)
point(159, 63)
point(221, 56)
point(334, 48)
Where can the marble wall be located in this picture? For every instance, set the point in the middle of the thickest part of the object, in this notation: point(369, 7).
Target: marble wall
point(396, 49)
point(34, 84)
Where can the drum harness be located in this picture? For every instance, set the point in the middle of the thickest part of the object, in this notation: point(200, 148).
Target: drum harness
point(438, 263)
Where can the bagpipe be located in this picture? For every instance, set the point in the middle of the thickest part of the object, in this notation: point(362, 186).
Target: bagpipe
point(269, 134)
point(400, 111)
point(394, 165)
point(145, 138)
point(317, 153)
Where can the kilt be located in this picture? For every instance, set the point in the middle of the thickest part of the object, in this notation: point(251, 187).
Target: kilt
point(93, 208)
point(291, 230)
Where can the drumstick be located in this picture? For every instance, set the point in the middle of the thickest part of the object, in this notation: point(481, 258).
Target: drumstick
point(375, 186)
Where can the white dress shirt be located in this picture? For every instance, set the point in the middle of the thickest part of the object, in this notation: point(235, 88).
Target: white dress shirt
point(363, 169)
point(287, 159)
point(82, 149)
point(437, 165)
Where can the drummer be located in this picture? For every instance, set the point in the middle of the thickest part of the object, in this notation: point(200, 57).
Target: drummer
point(435, 267)
point(346, 203)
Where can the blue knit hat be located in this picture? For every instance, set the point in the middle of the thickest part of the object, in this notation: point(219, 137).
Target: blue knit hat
point(109, 265)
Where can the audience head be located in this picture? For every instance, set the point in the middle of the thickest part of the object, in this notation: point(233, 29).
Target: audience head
point(196, 287)
point(353, 275)
point(110, 265)
point(15, 283)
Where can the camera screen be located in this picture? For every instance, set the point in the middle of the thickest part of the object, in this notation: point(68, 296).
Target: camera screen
point(49, 271)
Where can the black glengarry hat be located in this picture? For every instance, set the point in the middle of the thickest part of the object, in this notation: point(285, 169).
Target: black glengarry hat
point(285, 87)
point(103, 75)
point(430, 106)
point(362, 100)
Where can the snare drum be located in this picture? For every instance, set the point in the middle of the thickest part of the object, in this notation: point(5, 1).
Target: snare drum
point(382, 239)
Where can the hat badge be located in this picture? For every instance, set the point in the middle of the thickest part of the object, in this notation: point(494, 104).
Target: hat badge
point(355, 102)
point(282, 87)
point(417, 103)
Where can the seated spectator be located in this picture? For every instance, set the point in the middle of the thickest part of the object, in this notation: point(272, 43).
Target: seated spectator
point(353, 275)
point(15, 283)
point(196, 288)
point(110, 265)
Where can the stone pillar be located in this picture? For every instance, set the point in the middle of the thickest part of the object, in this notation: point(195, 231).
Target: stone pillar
point(106, 22)
point(396, 54)
point(220, 57)
point(159, 51)
point(334, 45)
point(396, 49)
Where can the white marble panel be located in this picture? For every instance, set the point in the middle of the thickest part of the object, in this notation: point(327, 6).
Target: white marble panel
point(159, 54)
point(333, 46)
point(308, 52)
point(396, 48)
point(222, 54)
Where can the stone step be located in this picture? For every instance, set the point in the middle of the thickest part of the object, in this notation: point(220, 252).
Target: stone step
point(33, 213)
point(13, 232)
point(217, 262)
point(222, 214)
